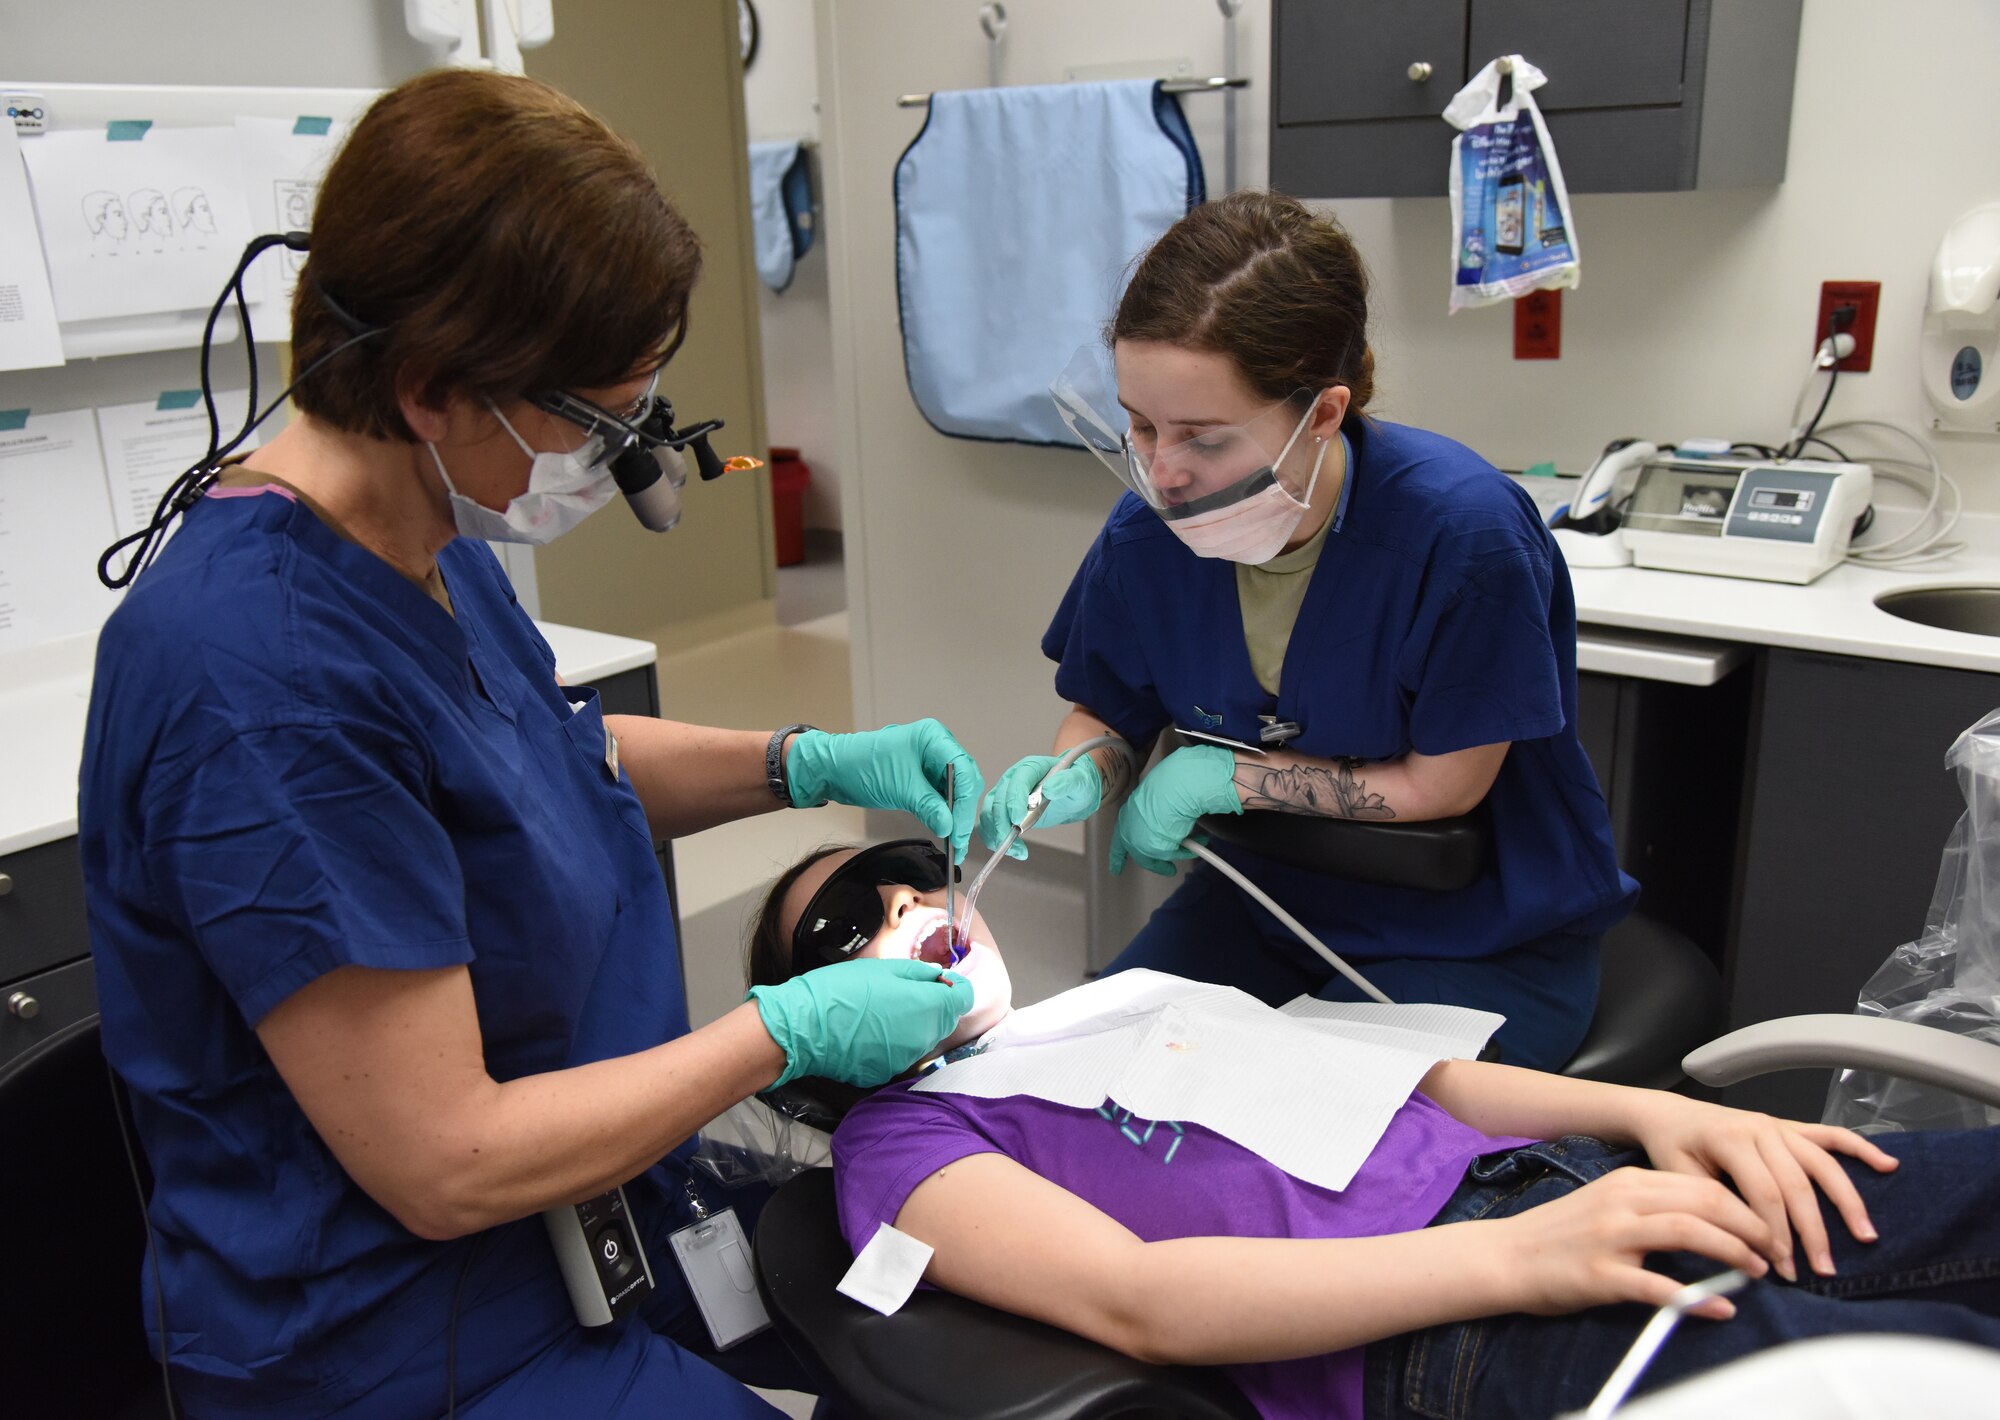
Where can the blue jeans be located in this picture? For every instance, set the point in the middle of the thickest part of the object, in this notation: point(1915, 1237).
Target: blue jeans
point(1211, 930)
point(1935, 1272)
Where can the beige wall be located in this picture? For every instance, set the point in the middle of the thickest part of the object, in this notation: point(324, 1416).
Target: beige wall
point(667, 76)
point(1695, 315)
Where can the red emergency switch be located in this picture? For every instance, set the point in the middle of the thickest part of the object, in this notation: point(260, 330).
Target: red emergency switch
point(1538, 326)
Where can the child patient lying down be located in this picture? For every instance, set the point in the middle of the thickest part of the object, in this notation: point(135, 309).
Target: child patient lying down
point(1493, 1256)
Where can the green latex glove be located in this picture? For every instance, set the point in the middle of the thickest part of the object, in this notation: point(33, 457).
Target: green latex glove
point(1073, 794)
point(895, 767)
point(864, 1021)
point(1161, 812)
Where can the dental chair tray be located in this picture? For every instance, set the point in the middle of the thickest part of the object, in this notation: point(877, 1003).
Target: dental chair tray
point(944, 1355)
point(1438, 855)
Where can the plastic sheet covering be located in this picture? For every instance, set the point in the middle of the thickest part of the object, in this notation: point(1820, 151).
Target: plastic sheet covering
point(1949, 977)
point(754, 1142)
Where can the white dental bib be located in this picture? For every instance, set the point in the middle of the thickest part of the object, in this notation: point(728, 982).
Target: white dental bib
point(1310, 1088)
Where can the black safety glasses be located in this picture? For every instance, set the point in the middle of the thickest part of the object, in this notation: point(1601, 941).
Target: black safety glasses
point(846, 912)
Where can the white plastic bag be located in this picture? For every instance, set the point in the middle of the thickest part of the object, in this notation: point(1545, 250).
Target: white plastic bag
point(1949, 977)
point(754, 1141)
point(1511, 226)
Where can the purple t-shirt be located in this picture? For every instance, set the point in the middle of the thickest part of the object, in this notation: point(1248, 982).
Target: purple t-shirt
point(1164, 1180)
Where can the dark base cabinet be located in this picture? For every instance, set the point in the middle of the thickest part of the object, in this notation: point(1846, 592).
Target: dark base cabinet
point(1846, 811)
point(1670, 761)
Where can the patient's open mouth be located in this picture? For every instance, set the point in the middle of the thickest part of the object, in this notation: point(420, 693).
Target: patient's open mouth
point(935, 945)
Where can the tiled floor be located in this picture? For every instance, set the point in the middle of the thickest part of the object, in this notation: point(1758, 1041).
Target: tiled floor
point(798, 670)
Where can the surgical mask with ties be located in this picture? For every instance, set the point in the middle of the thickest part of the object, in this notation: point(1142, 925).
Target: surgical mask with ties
point(563, 489)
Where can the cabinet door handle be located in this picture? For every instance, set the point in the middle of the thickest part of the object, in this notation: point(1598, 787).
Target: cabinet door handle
point(23, 1005)
point(6, 884)
point(1419, 72)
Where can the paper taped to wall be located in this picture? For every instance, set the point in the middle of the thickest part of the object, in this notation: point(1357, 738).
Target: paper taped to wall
point(29, 338)
point(54, 521)
point(138, 227)
point(282, 167)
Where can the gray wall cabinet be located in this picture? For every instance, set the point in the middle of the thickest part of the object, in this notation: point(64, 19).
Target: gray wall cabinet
point(1642, 95)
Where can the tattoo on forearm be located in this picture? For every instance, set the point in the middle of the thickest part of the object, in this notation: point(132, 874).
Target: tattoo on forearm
point(1311, 789)
point(1116, 767)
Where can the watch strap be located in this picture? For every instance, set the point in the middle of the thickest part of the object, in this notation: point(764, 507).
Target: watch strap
point(774, 763)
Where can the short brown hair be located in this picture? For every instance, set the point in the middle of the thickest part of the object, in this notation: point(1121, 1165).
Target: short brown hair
point(769, 958)
point(506, 238)
point(1259, 278)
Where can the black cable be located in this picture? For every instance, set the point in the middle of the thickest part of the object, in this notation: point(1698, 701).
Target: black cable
point(1830, 448)
point(187, 488)
point(146, 1218)
point(1761, 450)
point(451, 1331)
point(1793, 449)
point(1834, 326)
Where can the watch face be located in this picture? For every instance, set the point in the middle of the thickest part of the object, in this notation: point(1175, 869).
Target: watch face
point(746, 30)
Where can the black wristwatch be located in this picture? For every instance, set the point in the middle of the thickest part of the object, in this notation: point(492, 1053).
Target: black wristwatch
point(774, 764)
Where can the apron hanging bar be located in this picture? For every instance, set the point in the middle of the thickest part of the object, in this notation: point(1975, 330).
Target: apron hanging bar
point(1172, 86)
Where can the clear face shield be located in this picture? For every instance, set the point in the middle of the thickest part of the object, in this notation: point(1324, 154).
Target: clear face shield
point(1235, 491)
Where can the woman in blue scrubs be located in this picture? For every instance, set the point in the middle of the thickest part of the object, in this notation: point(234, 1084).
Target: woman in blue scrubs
point(1283, 559)
point(383, 951)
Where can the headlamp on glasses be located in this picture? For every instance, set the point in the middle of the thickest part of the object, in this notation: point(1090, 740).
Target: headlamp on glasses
point(643, 450)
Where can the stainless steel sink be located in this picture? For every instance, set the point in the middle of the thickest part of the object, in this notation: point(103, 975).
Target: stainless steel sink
point(1973, 609)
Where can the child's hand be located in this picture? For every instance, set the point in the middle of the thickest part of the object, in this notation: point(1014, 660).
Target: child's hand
point(1589, 1248)
point(1773, 1163)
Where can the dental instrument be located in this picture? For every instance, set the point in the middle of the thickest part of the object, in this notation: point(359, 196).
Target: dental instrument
point(951, 876)
point(1298, 928)
point(1036, 804)
point(1655, 1335)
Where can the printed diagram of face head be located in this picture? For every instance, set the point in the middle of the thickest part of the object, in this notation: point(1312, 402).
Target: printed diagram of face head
point(150, 216)
point(191, 212)
point(295, 205)
point(104, 215)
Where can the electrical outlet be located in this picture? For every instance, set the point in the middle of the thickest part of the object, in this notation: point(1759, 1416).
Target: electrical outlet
point(1538, 326)
point(1864, 296)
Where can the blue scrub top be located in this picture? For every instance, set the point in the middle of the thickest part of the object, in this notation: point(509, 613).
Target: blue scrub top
point(1439, 617)
point(297, 761)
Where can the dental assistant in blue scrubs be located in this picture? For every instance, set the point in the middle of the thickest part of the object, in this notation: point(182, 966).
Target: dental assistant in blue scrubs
point(1284, 559)
point(383, 950)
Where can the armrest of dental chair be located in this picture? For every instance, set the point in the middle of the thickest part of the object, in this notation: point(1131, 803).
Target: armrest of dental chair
point(1923, 1054)
point(1438, 855)
point(942, 1354)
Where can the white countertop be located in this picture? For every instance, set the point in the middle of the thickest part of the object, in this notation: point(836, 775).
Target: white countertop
point(1836, 614)
point(45, 693)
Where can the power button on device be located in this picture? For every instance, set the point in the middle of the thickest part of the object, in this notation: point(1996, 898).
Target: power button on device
point(615, 1259)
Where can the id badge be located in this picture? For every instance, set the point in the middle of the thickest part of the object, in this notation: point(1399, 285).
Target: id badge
point(715, 1258)
point(611, 753)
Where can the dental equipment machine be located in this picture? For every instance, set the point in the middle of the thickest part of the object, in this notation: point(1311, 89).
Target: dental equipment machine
point(1587, 530)
point(1771, 520)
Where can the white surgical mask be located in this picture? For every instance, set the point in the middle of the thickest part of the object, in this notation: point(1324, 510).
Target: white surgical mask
point(1254, 529)
point(563, 489)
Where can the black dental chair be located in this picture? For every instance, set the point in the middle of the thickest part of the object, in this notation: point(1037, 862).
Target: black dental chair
point(942, 1355)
